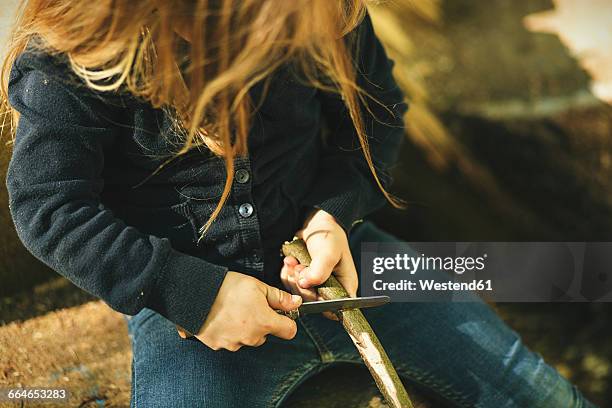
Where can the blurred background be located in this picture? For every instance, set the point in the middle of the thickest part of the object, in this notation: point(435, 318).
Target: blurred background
point(505, 141)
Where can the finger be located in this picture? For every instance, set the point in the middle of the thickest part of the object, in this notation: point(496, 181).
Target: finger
point(288, 270)
point(298, 269)
point(232, 347)
point(290, 261)
point(292, 286)
point(281, 326)
point(346, 273)
point(288, 278)
point(289, 281)
point(307, 295)
point(212, 344)
point(281, 300)
point(254, 342)
point(319, 270)
point(285, 274)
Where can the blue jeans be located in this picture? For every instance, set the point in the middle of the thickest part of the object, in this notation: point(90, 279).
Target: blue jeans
point(462, 352)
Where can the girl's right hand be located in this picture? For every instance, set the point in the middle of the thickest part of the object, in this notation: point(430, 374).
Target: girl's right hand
point(244, 313)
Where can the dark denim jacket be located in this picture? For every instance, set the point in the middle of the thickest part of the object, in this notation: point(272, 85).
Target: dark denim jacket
point(83, 201)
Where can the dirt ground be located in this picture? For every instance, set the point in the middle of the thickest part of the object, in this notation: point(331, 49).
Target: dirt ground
point(83, 349)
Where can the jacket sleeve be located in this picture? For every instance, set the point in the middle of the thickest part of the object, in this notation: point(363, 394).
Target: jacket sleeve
point(344, 185)
point(54, 183)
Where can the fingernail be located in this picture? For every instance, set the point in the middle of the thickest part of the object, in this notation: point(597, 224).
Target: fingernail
point(296, 298)
point(302, 282)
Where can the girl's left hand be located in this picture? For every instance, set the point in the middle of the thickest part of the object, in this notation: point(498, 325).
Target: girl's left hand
point(329, 249)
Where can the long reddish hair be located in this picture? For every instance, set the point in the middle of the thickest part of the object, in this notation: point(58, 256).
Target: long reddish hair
point(233, 45)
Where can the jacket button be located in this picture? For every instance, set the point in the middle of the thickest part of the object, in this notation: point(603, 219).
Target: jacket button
point(245, 210)
point(242, 176)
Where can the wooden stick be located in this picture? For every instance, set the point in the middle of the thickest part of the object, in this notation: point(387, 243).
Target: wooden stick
point(358, 328)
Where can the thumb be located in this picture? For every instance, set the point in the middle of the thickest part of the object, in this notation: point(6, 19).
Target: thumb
point(318, 271)
point(281, 300)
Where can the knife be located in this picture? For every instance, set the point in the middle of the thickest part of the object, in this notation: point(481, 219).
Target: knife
point(336, 305)
point(320, 306)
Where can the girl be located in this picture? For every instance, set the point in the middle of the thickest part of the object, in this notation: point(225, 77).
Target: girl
point(164, 150)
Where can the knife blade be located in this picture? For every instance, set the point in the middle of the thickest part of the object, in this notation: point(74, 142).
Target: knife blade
point(336, 305)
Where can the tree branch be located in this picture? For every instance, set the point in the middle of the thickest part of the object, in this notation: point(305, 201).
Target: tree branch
point(358, 328)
